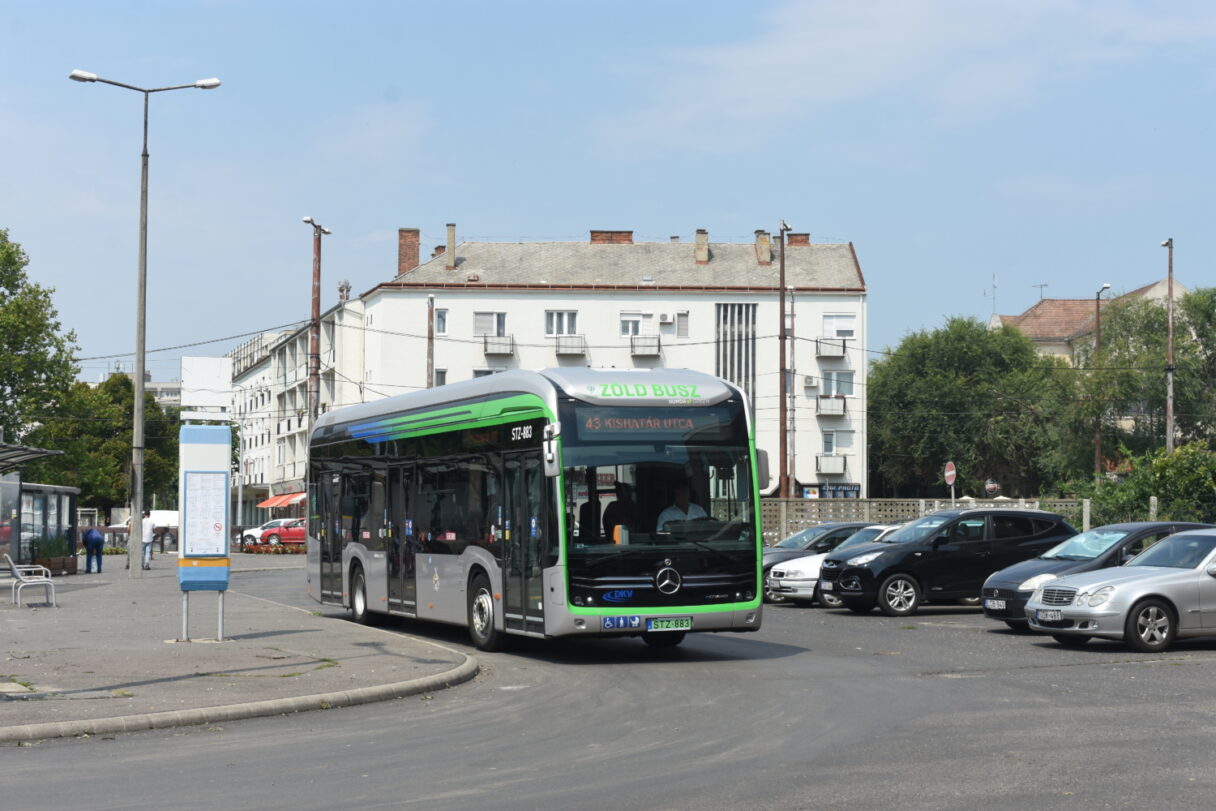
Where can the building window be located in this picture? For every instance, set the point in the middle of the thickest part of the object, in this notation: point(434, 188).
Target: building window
point(561, 322)
point(735, 345)
point(441, 377)
point(838, 382)
point(441, 322)
point(681, 325)
point(631, 323)
point(494, 324)
point(836, 441)
point(839, 326)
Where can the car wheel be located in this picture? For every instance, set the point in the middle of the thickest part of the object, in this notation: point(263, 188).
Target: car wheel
point(1070, 640)
point(827, 600)
point(1150, 627)
point(663, 639)
point(898, 596)
point(358, 596)
point(771, 596)
point(482, 628)
point(272, 539)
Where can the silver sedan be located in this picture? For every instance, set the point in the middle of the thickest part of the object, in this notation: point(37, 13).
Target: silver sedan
point(1167, 591)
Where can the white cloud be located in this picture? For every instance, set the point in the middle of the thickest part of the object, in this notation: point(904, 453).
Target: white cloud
point(961, 60)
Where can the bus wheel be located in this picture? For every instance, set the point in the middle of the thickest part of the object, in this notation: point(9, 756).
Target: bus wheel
point(481, 615)
point(663, 639)
point(358, 595)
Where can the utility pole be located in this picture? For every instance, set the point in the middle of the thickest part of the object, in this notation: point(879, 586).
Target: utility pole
point(1097, 349)
point(314, 327)
point(793, 473)
point(783, 478)
point(430, 340)
point(1169, 350)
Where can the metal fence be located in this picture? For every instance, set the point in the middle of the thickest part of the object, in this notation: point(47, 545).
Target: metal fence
point(781, 518)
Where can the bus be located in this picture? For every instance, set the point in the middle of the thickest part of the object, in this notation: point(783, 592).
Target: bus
point(565, 502)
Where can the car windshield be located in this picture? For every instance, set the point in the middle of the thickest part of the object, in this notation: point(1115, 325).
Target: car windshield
point(863, 535)
point(1176, 552)
point(1087, 545)
point(918, 530)
point(802, 539)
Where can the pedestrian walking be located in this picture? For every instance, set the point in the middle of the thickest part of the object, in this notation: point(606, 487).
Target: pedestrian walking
point(94, 543)
point(149, 536)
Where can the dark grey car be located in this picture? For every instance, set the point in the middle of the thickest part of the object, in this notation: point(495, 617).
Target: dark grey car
point(809, 541)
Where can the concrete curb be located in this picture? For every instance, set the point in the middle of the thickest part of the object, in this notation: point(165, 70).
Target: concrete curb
point(232, 712)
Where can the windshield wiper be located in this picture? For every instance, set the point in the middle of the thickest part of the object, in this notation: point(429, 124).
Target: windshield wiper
point(702, 545)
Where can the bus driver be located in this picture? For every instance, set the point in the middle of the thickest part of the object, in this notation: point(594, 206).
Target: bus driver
point(681, 510)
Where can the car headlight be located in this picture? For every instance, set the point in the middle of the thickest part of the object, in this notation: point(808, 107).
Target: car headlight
point(1037, 597)
point(862, 560)
point(1036, 581)
point(1097, 598)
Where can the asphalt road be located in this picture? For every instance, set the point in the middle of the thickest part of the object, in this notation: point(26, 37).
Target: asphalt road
point(820, 709)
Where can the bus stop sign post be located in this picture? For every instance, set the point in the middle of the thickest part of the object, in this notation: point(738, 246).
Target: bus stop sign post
point(950, 474)
point(203, 563)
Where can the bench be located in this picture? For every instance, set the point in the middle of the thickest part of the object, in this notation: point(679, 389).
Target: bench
point(31, 576)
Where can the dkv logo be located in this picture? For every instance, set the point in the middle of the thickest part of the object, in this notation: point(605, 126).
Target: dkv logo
point(618, 596)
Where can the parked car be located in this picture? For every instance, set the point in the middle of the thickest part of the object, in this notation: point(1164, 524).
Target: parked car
point(1165, 592)
point(291, 532)
point(798, 580)
point(1005, 592)
point(945, 555)
point(819, 538)
point(255, 535)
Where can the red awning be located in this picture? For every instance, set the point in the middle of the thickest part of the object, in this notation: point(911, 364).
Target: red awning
point(282, 500)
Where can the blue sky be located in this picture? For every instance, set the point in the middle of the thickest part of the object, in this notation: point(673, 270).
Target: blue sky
point(1035, 141)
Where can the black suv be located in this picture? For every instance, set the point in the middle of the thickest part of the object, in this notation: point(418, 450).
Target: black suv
point(945, 555)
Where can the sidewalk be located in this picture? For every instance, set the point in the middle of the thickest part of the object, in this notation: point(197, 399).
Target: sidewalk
point(107, 659)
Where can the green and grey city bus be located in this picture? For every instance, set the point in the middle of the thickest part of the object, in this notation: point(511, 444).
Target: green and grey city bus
point(555, 503)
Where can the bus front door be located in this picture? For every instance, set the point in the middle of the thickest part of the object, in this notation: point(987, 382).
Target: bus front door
point(402, 542)
point(523, 563)
point(330, 497)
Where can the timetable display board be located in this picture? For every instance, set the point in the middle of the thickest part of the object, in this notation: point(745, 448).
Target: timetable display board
point(205, 514)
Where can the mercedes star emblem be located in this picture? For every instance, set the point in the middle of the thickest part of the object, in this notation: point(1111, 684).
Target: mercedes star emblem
point(667, 580)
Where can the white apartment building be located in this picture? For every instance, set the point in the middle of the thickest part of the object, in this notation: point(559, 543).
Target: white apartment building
point(612, 303)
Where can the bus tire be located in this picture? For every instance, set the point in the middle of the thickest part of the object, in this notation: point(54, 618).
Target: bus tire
point(663, 639)
point(483, 616)
point(358, 596)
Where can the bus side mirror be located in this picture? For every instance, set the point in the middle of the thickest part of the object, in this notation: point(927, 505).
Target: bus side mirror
point(761, 469)
point(549, 448)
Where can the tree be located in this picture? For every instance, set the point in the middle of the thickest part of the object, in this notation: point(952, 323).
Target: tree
point(984, 399)
point(93, 427)
point(1184, 483)
point(37, 360)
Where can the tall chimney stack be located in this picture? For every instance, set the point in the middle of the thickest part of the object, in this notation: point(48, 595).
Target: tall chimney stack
point(451, 251)
point(407, 250)
point(798, 240)
point(764, 247)
point(701, 251)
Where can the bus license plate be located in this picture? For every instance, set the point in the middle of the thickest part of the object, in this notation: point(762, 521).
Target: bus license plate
point(669, 624)
point(1048, 615)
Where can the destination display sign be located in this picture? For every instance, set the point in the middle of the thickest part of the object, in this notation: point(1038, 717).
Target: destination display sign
point(677, 424)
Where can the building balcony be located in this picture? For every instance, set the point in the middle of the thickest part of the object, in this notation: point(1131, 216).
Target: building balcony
point(498, 344)
point(830, 347)
point(830, 465)
point(570, 344)
point(830, 406)
point(644, 346)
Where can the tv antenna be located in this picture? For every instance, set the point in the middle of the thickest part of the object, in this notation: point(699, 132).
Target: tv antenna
point(1040, 286)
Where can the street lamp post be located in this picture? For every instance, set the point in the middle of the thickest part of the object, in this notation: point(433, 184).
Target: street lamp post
point(1097, 348)
point(1169, 350)
point(314, 328)
point(135, 535)
point(783, 478)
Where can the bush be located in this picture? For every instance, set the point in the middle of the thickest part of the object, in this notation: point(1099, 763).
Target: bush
point(276, 549)
point(1184, 483)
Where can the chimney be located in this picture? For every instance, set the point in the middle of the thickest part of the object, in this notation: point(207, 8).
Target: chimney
point(438, 250)
point(451, 246)
point(701, 251)
point(675, 238)
point(764, 247)
point(407, 250)
point(798, 240)
point(611, 237)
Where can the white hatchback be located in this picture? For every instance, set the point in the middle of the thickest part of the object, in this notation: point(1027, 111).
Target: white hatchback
point(798, 580)
point(255, 535)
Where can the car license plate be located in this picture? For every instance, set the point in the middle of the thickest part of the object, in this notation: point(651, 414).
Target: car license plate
point(1048, 615)
point(995, 605)
point(669, 624)
point(825, 585)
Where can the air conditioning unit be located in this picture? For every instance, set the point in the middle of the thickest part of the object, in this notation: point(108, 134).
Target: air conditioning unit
point(666, 318)
point(810, 382)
